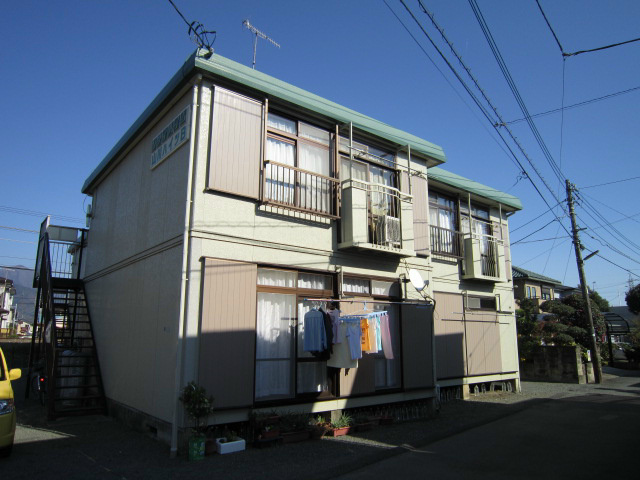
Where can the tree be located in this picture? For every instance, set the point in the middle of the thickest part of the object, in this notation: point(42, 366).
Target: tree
point(603, 303)
point(633, 299)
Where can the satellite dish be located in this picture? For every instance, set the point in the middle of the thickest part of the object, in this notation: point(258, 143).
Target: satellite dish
point(416, 280)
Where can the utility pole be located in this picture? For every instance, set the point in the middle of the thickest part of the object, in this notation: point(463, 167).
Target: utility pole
point(595, 355)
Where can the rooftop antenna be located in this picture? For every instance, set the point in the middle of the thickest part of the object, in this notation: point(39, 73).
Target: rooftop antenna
point(260, 34)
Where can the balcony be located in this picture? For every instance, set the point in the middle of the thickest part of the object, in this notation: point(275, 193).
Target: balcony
point(377, 218)
point(300, 190)
point(445, 242)
point(484, 258)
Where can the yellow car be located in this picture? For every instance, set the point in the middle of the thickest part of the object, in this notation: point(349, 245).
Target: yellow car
point(7, 407)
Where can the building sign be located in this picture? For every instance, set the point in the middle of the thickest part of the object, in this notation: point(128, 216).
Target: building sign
point(171, 137)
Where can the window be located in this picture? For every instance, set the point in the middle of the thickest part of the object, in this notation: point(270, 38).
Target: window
point(442, 217)
point(283, 368)
point(481, 303)
point(545, 293)
point(298, 169)
point(534, 293)
point(383, 202)
point(528, 291)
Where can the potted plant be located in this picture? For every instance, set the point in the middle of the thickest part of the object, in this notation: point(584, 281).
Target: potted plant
point(230, 443)
point(198, 406)
point(319, 426)
point(342, 425)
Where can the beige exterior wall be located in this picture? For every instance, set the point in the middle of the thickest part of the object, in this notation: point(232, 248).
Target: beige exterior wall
point(134, 312)
point(132, 271)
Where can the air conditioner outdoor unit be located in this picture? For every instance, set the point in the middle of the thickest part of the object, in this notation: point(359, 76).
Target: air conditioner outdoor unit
point(388, 231)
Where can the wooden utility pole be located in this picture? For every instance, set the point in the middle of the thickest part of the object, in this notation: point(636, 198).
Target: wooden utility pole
point(595, 355)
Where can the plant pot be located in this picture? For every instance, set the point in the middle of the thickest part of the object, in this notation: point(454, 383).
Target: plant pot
point(292, 437)
point(338, 432)
point(223, 447)
point(197, 447)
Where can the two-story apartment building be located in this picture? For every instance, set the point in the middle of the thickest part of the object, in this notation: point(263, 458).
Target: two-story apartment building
point(236, 204)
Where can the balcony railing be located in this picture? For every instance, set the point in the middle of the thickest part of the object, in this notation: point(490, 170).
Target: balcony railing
point(301, 190)
point(489, 255)
point(446, 242)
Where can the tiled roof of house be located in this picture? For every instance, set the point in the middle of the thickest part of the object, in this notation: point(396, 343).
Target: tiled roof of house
point(522, 273)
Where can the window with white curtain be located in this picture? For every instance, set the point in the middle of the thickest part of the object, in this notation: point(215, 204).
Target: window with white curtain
point(274, 344)
point(442, 216)
point(356, 285)
point(283, 368)
point(298, 172)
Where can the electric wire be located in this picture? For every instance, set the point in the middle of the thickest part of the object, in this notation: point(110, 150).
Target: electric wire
point(579, 52)
point(533, 220)
point(611, 183)
point(33, 213)
point(514, 89)
point(18, 229)
point(197, 32)
point(550, 28)
point(579, 104)
point(482, 108)
point(612, 263)
point(534, 232)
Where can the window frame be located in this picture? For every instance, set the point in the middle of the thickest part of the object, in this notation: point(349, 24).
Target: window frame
point(296, 139)
point(299, 293)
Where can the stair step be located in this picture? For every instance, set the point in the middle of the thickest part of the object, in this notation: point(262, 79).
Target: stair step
point(82, 397)
point(69, 387)
point(78, 376)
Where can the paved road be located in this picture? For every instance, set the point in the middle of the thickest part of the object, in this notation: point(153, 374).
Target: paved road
point(592, 436)
point(544, 432)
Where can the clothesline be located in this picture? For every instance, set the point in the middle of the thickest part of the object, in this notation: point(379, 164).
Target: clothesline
point(419, 304)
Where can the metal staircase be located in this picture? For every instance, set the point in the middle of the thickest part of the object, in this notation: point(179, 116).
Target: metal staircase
point(62, 343)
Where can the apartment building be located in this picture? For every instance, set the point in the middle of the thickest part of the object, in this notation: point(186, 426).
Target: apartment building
point(237, 204)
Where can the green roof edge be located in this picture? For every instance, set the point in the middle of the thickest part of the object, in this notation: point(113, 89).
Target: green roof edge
point(474, 187)
point(239, 73)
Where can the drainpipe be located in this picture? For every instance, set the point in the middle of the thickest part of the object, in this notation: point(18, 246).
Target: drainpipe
point(186, 250)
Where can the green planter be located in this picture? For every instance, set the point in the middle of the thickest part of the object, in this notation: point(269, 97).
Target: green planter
point(197, 447)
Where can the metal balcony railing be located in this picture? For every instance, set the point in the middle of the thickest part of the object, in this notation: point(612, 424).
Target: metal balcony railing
point(446, 242)
point(301, 190)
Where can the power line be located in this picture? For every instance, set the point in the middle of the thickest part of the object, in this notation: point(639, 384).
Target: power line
point(580, 104)
point(600, 48)
point(612, 263)
point(514, 89)
point(33, 213)
point(531, 221)
point(197, 32)
point(481, 107)
point(611, 183)
point(534, 232)
point(565, 54)
point(550, 28)
point(539, 240)
point(17, 241)
point(18, 229)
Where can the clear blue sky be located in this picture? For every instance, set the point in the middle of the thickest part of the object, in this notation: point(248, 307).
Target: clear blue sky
point(76, 74)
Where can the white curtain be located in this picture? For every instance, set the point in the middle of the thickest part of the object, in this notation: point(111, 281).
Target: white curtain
point(314, 281)
point(381, 202)
point(276, 278)
point(280, 180)
point(355, 285)
point(314, 191)
point(274, 326)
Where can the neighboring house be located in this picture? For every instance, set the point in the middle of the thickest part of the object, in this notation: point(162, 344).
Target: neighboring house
point(531, 285)
point(235, 204)
point(562, 291)
point(628, 315)
point(7, 309)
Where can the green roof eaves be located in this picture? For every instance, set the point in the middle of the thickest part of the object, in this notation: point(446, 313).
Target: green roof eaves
point(236, 72)
point(533, 275)
point(473, 187)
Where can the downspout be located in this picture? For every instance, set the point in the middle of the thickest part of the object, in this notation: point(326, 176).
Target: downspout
point(186, 250)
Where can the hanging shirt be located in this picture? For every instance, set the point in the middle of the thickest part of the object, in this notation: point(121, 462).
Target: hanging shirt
point(386, 337)
point(341, 356)
point(315, 337)
point(335, 323)
point(354, 338)
point(365, 344)
point(374, 328)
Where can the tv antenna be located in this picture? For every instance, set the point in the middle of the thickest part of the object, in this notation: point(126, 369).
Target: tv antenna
point(260, 34)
